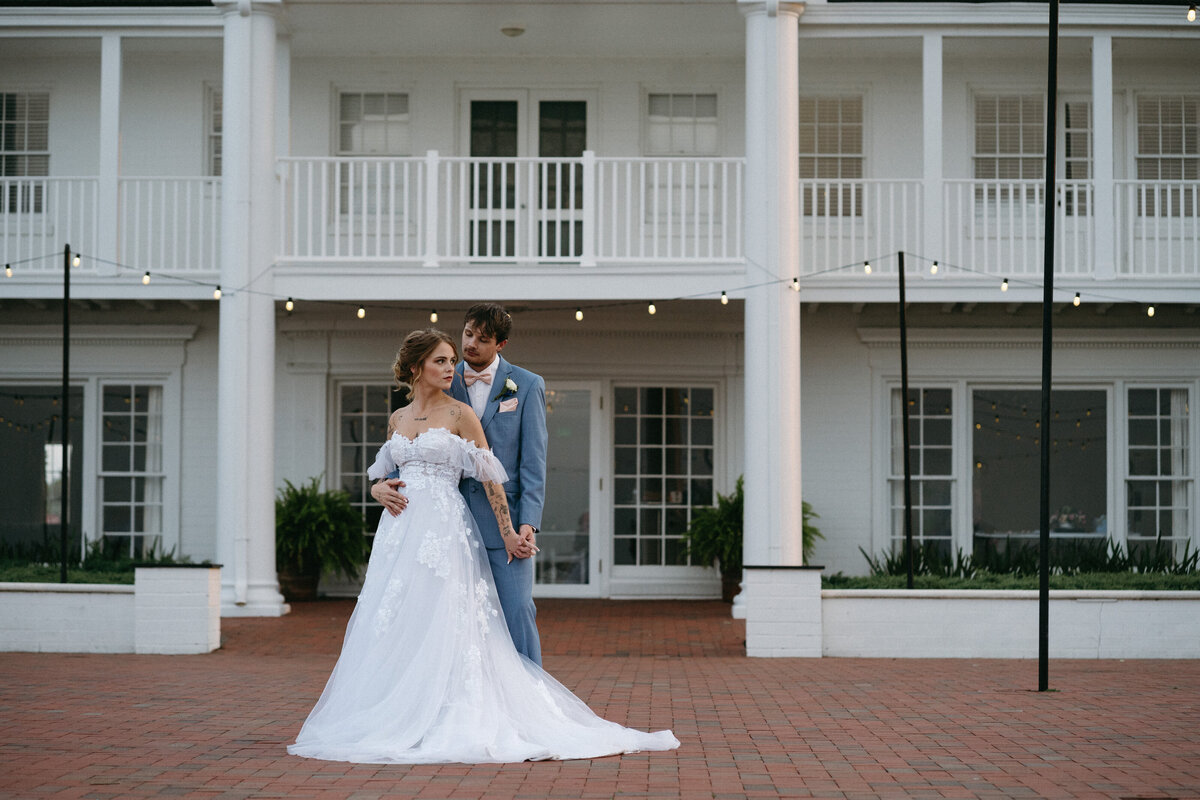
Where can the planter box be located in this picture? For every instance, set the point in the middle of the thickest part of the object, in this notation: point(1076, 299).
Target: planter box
point(168, 610)
point(897, 623)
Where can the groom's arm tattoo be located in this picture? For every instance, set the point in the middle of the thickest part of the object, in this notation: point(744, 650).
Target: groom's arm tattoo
point(495, 493)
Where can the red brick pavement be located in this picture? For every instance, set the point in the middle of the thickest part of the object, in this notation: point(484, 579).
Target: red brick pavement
point(215, 726)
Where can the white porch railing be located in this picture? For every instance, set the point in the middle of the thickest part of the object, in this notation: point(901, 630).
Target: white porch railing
point(998, 227)
point(40, 215)
point(502, 210)
point(1158, 228)
point(848, 221)
point(170, 224)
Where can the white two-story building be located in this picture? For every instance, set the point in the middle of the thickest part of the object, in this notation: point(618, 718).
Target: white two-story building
point(696, 210)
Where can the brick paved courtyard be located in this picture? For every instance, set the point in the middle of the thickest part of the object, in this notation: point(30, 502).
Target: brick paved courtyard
point(215, 726)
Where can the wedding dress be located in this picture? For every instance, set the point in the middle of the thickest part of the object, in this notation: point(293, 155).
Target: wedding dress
point(428, 672)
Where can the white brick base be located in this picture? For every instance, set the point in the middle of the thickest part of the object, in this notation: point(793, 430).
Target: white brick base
point(783, 611)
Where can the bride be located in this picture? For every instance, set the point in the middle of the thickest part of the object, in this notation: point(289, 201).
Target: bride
point(428, 672)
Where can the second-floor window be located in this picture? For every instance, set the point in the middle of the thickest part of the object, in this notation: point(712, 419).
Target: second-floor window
point(213, 126)
point(1168, 150)
point(1009, 147)
point(831, 155)
point(24, 149)
point(682, 125)
point(371, 124)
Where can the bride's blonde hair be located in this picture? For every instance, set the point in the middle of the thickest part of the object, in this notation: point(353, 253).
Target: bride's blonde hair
point(411, 356)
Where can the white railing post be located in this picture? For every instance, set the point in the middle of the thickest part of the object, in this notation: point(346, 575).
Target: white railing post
point(588, 256)
point(431, 208)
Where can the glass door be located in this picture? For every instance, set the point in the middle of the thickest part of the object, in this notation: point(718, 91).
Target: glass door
point(569, 564)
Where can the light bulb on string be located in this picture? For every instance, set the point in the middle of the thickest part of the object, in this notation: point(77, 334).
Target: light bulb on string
point(8, 271)
point(362, 312)
point(652, 309)
point(290, 305)
point(433, 317)
point(1076, 301)
point(795, 284)
point(724, 299)
point(933, 268)
point(217, 292)
point(146, 278)
point(579, 315)
point(75, 260)
point(1004, 285)
point(867, 267)
point(1150, 311)
point(1191, 13)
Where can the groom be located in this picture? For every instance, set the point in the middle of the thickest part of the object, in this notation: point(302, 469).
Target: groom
point(511, 404)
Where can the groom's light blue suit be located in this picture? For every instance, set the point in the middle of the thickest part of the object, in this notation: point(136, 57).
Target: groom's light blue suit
point(516, 432)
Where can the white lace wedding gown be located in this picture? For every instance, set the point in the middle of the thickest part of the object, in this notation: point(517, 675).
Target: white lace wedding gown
point(428, 672)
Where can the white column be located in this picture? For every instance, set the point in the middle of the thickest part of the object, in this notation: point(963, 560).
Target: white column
point(246, 342)
point(931, 144)
point(1104, 230)
point(773, 510)
point(108, 189)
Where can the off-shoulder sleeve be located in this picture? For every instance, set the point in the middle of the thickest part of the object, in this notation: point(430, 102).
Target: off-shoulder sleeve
point(480, 464)
point(383, 463)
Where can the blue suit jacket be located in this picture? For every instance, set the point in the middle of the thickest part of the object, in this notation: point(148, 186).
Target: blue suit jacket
point(518, 438)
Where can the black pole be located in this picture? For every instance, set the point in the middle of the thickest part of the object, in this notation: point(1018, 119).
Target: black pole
point(1047, 350)
point(65, 482)
point(908, 534)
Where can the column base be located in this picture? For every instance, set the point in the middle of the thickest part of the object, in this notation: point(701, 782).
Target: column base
point(783, 612)
point(261, 601)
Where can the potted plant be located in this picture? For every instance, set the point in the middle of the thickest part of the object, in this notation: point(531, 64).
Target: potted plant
point(315, 531)
point(715, 535)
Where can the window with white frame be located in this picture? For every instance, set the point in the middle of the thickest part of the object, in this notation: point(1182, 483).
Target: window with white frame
point(1077, 155)
point(1168, 155)
point(1010, 147)
point(371, 124)
point(24, 149)
point(931, 454)
point(663, 467)
point(1159, 479)
point(363, 411)
point(213, 126)
point(681, 125)
point(131, 468)
point(831, 155)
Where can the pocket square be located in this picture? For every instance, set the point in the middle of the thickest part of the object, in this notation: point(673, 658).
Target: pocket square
point(508, 405)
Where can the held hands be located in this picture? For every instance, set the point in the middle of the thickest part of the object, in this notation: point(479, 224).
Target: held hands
point(522, 545)
point(386, 494)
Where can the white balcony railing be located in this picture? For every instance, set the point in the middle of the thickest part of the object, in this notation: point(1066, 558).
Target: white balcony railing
point(584, 210)
point(38, 216)
point(1158, 228)
point(848, 221)
point(170, 224)
point(998, 227)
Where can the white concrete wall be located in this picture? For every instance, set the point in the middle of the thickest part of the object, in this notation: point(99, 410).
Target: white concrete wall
point(986, 624)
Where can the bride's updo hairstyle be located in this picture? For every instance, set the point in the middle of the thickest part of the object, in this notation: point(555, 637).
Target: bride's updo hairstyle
point(410, 358)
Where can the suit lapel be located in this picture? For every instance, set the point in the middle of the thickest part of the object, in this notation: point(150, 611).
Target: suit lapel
point(496, 389)
point(458, 389)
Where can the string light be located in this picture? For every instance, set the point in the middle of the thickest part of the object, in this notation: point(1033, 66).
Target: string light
point(933, 268)
point(433, 317)
point(146, 278)
point(75, 260)
point(362, 312)
point(8, 271)
point(795, 284)
point(217, 292)
point(651, 308)
point(867, 267)
point(579, 315)
point(724, 299)
point(1191, 15)
point(1076, 301)
point(1150, 311)
point(1004, 285)
point(289, 305)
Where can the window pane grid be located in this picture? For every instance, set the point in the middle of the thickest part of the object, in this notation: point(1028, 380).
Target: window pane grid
point(370, 124)
point(24, 147)
point(1157, 496)
point(831, 137)
point(131, 474)
point(363, 411)
point(663, 466)
point(931, 461)
point(1009, 144)
point(1168, 149)
point(681, 124)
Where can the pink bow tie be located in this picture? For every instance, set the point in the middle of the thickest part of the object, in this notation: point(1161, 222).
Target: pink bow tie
point(471, 377)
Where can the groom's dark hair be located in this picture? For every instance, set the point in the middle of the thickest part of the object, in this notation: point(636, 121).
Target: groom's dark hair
point(490, 318)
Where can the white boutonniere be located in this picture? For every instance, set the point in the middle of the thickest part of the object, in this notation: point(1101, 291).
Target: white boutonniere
point(509, 390)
